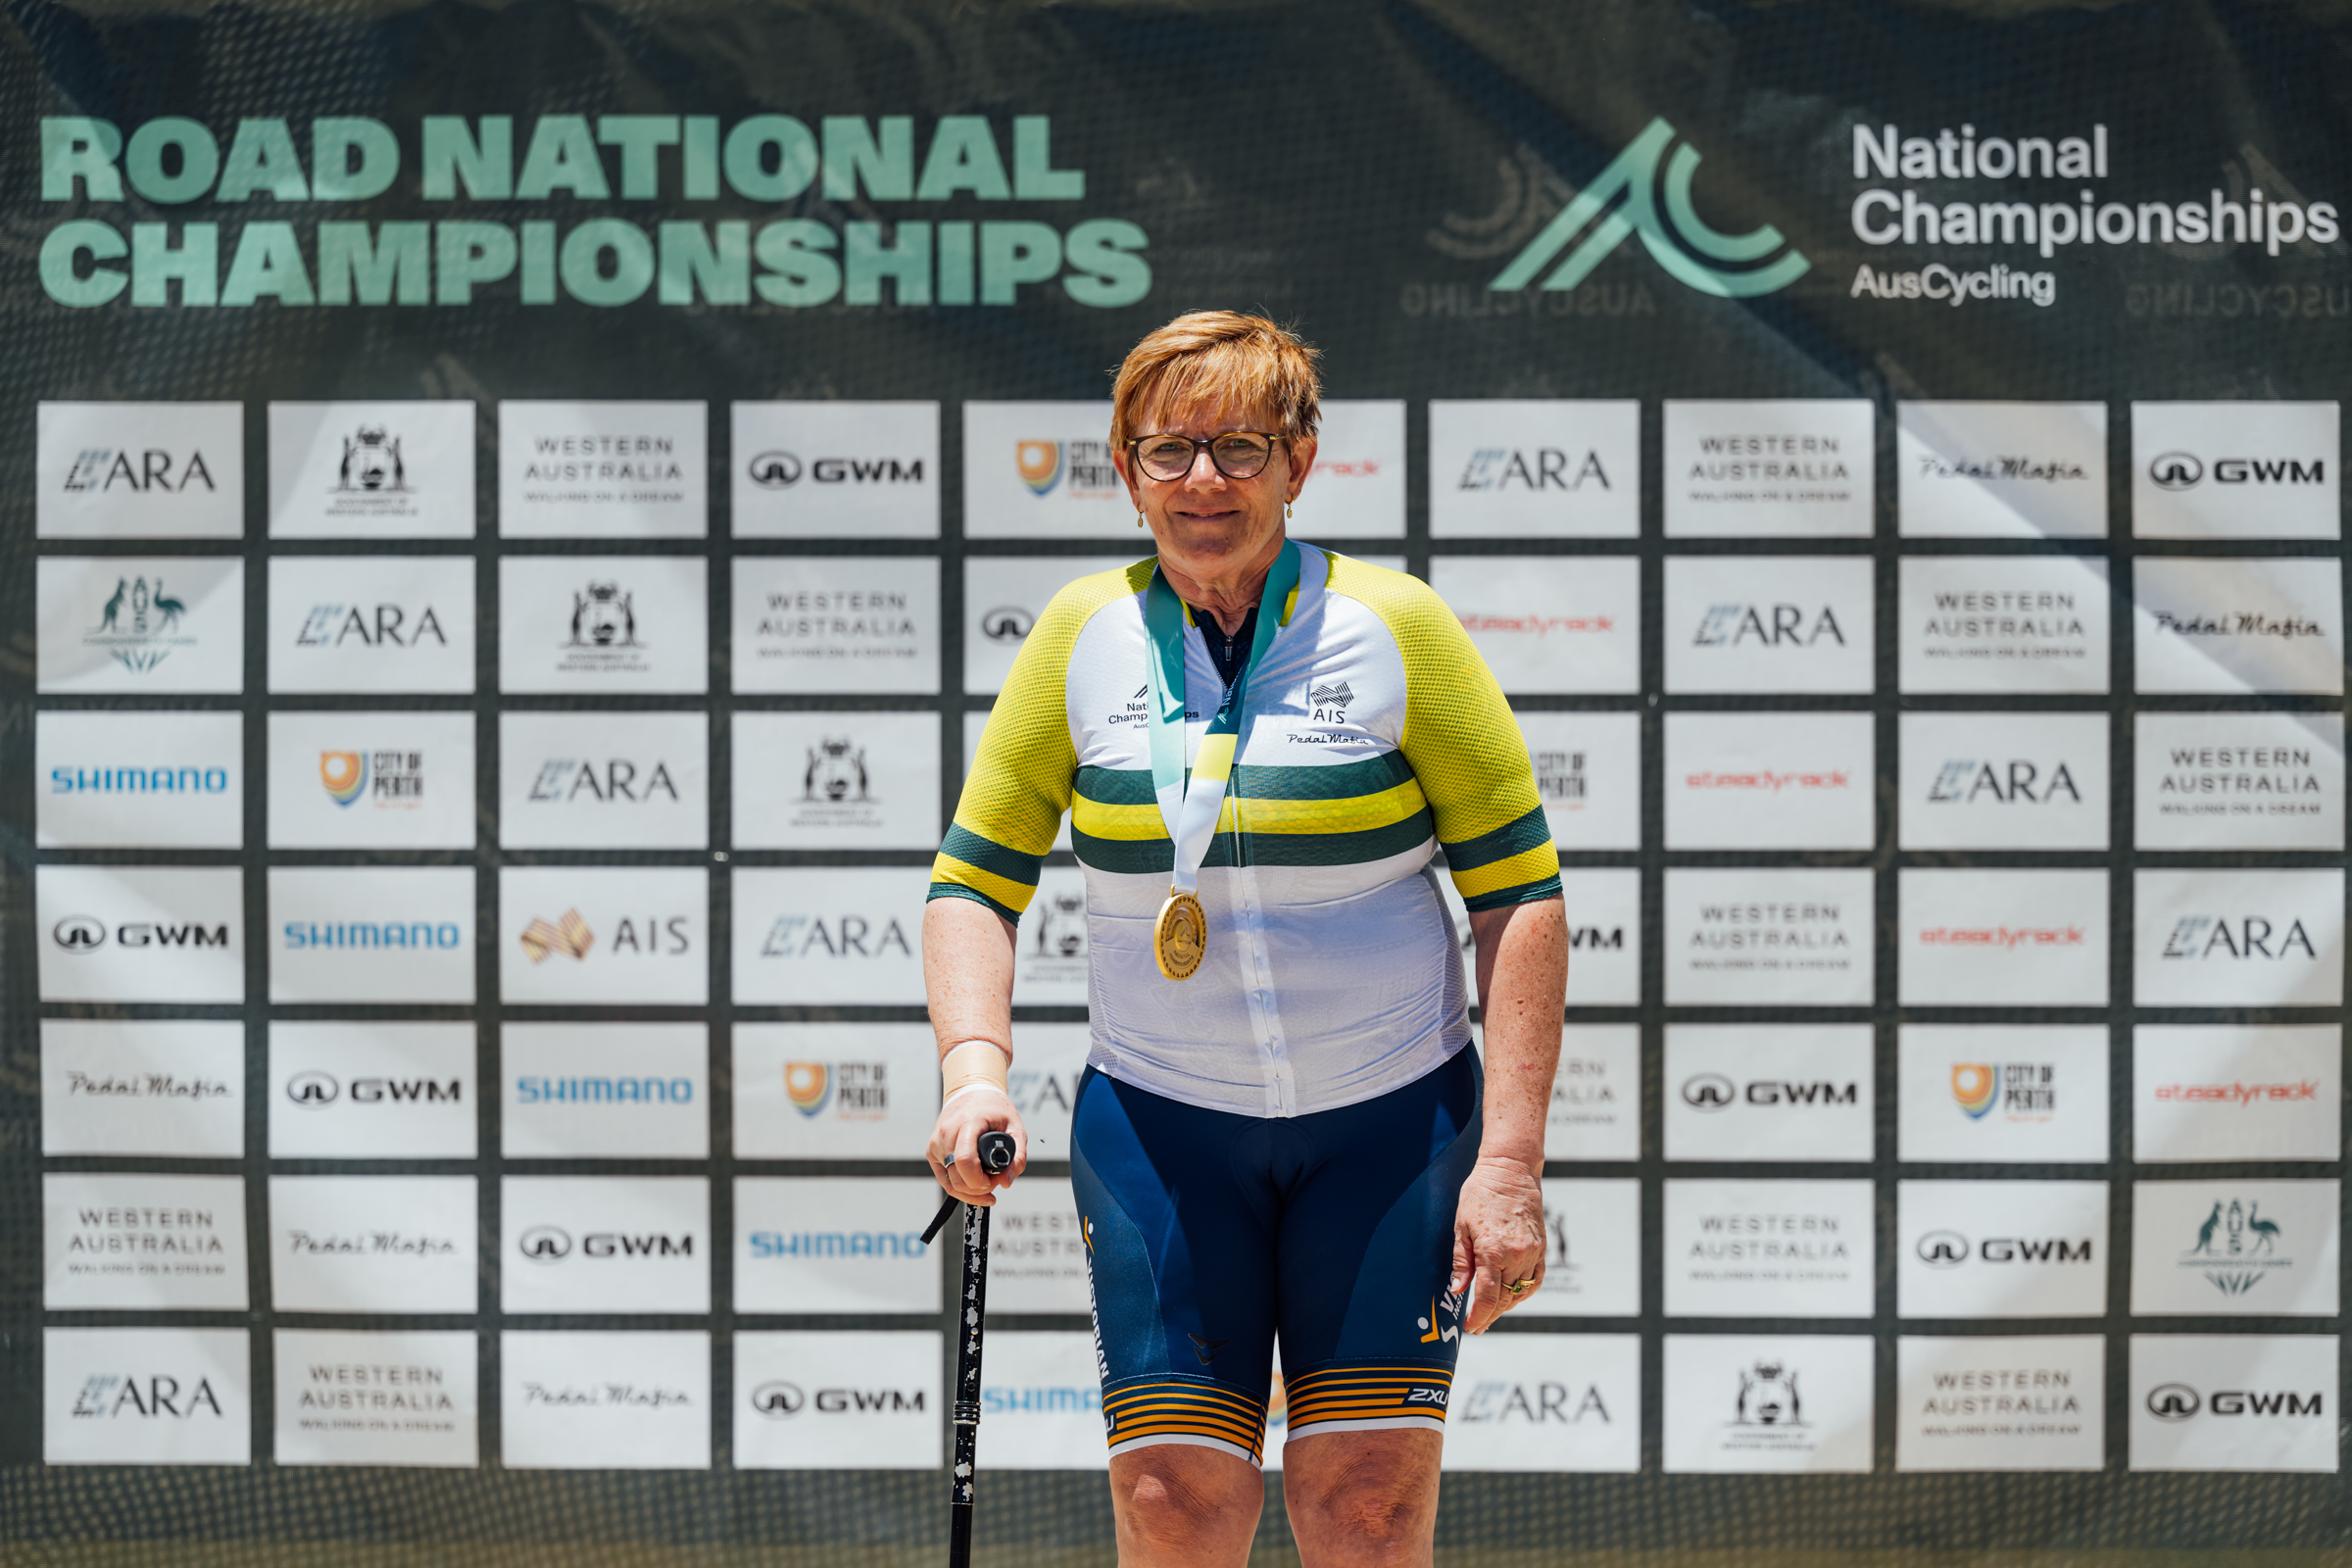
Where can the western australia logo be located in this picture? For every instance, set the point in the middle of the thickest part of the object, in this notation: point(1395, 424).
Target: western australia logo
point(1625, 200)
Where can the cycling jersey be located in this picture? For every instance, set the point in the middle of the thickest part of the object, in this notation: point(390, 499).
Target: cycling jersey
point(1373, 735)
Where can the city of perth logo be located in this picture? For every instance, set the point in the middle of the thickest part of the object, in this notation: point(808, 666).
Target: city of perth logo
point(139, 626)
point(1645, 191)
point(2236, 1248)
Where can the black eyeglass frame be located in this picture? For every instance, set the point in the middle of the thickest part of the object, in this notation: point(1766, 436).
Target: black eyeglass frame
point(1273, 438)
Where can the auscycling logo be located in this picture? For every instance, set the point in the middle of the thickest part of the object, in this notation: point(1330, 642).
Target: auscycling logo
point(1644, 174)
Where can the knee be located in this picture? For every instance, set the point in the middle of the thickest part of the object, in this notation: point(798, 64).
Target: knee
point(1378, 1508)
point(1182, 1515)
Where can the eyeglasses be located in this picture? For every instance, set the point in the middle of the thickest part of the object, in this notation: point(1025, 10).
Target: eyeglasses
point(1236, 453)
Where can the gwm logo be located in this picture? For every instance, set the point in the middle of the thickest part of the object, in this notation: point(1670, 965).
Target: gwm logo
point(1641, 175)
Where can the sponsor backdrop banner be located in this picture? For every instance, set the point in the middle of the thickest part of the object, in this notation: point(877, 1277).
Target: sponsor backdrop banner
point(514, 520)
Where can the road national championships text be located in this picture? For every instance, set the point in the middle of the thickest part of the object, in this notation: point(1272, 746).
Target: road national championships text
point(844, 164)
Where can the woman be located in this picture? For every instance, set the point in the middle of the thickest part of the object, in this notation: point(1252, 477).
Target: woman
point(1281, 1132)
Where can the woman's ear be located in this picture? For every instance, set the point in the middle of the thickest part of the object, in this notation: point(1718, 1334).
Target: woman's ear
point(1303, 463)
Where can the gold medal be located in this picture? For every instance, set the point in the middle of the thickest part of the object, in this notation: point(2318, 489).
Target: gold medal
point(1179, 936)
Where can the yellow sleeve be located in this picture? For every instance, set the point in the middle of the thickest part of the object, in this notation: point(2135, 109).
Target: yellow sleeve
point(1462, 745)
point(1020, 784)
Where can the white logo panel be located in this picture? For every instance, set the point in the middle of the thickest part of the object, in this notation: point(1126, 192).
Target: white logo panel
point(1037, 1248)
point(834, 1244)
point(2235, 470)
point(629, 1091)
point(1549, 624)
point(2004, 781)
point(137, 625)
point(1050, 945)
point(1770, 781)
point(2007, 1403)
point(141, 933)
point(2213, 1402)
point(593, 625)
point(138, 780)
point(1768, 1092)
point(1778, 1404)
point(373, 1244)
point(602, 471)
point(371, 471)
point(843, 1091)
point(599, 781)
point(2003, 623)
point(1003, 598)
point(371, 624)
point(372, 1089)
point(1356, 487)
point(2000, 1249)
point(2002, 470)
point(605, 1244)
point(1589, 776)
point(1042, 1402)
point(158, 1087)
point(376, 1399)
point(847, 935)
point(139, 471)
point(2239, 781)
point(818, 470)
point(399, 780)
point(1593, 1249)
point(2227, 627)
point(2015, 1093)
point(2013, 938)
point(2253, 939)
point(835, 1401)
point(1528, 469)
point(1768, 1248)
point(146, 1396)
point(143, 1243)
point(1042, 471)
point(1596, 1094)
point(576, 934)
point(836, 624)
point(836, 780)
point(1769, 467)
point(2238, 1248)
point(605, 1400)
point(1769, 623)
point(1552, 1402)
point(2236, 1092)
point(1771, 937)
point(371, 934)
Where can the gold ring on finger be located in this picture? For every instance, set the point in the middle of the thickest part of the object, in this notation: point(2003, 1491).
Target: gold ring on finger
point(1518, 1287)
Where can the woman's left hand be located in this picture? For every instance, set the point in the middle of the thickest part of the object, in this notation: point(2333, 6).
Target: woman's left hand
point(1499, 1240)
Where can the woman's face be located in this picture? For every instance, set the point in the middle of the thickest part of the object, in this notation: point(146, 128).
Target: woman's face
point(1210, 526)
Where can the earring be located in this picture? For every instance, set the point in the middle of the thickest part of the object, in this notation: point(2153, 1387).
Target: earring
point(1139, 520)
point(1285, 510)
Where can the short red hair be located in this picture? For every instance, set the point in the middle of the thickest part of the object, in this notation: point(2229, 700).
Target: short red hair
point(1211, 359)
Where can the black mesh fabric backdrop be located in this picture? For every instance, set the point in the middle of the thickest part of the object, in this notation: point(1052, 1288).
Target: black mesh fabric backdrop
point(1361, 170)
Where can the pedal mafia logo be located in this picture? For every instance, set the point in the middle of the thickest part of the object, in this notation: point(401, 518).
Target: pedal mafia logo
point(1645, 191)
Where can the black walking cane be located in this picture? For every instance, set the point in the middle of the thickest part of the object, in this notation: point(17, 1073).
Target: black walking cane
point(995, 1155)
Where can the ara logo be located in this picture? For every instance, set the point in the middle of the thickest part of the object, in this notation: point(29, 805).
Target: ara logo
point(104, 468)
point(106, 1396)
point(1500, 468)
point(377, 626)
point(2203, 936)
point(1624, 199)
point(2183, 470)
point(567, 778)
point(851, 936)
point(372, 464)
point(1768, 626)
point(1966, 780)
point(2178, 1401)
point(836, 774)
point(1950, 1250)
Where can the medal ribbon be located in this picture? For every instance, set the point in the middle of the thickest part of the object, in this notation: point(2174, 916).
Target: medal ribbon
point(1190, 802)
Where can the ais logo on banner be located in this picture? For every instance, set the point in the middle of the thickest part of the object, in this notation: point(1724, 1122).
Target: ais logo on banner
point(579, 934)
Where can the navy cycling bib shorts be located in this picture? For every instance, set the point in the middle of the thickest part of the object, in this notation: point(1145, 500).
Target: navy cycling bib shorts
point(1209, 1236)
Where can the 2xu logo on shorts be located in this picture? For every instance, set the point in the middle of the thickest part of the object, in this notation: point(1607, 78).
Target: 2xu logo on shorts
point(552, 1244)
point(780, 1400)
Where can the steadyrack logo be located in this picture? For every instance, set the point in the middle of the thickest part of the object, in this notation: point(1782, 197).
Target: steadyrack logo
point(1644, 174)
